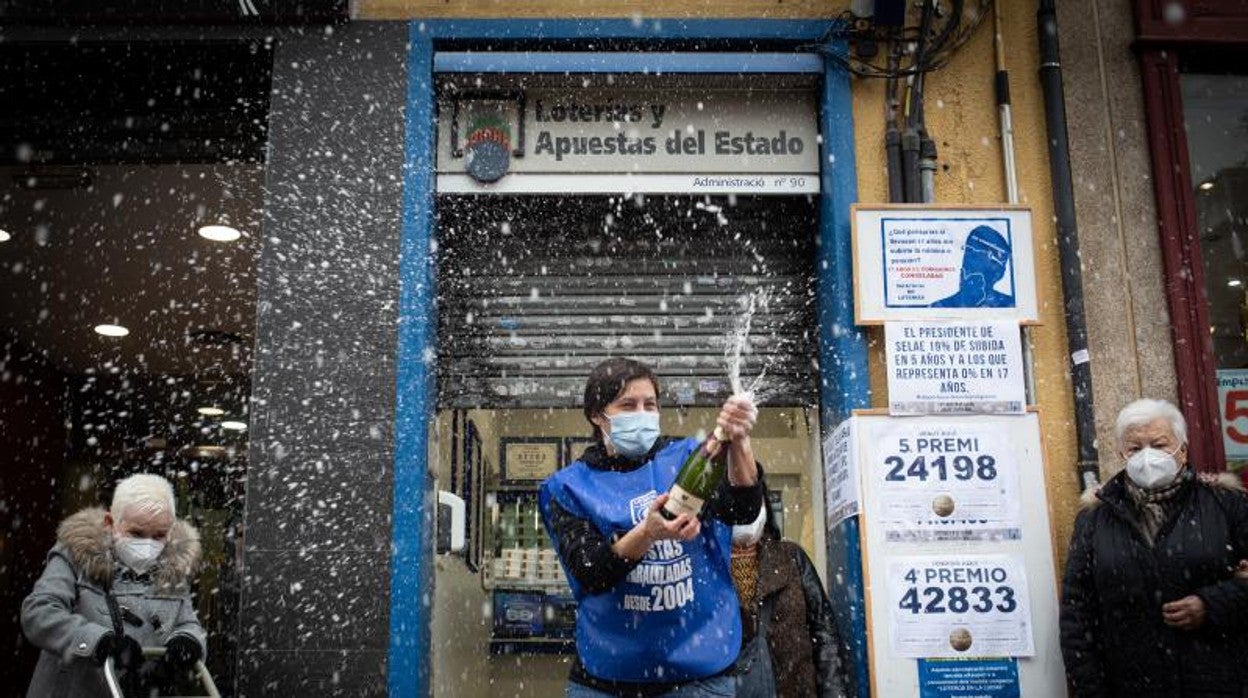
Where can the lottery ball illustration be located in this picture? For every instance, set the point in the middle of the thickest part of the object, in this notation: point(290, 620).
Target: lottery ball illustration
point(960, 639)
point(943, 505)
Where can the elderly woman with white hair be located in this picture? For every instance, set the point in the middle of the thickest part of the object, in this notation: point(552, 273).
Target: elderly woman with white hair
point(1151, 604)
point(115, 582)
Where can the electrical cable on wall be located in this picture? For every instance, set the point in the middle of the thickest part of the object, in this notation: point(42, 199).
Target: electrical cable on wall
point(892, 131)
point(911, 135)
point(942, 29)
point(956, 27)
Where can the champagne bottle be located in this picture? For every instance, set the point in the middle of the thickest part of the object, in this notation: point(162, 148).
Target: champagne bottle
point(698, 477)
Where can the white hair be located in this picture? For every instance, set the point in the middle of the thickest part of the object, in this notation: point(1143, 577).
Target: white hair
point(1145, 411)
point(145, 492)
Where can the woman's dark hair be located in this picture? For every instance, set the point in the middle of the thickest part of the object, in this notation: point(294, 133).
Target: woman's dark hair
point(771, 530)
point(607, 381)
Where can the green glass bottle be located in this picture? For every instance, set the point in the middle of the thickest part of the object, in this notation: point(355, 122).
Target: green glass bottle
point(698, 478)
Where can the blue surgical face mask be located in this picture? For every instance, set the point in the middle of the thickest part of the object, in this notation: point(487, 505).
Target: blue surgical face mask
point(633, 433)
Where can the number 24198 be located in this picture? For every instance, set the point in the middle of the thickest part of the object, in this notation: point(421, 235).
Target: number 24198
point(961, 468)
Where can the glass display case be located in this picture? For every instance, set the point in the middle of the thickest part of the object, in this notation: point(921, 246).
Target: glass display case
point(532, 604)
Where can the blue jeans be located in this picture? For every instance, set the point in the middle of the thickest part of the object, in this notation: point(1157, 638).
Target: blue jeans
point(713, 687)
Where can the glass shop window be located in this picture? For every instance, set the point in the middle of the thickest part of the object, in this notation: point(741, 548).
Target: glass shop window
point(131, 179)
point(1215, 110)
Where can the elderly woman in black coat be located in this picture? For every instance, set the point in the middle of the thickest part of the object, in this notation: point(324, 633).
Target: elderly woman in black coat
point(1151, 604)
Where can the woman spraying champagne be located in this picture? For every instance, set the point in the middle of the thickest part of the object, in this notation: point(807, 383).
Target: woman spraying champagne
point(658, 614)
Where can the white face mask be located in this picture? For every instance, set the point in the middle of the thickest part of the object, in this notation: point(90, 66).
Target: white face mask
point(749, 534)
point(139, 554)
point(1152, 468)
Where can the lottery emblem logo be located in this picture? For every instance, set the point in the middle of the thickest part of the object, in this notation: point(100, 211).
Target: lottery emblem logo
point(487, 154)
point(639, 505)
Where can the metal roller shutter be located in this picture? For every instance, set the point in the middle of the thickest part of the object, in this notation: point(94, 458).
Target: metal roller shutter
point(536, 290)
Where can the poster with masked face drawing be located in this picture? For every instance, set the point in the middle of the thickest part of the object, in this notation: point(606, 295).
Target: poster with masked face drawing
point(925, 263)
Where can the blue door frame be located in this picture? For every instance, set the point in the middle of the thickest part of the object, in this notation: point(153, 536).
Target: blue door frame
point(842, 347)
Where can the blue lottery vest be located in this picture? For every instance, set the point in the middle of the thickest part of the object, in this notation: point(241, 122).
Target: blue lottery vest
point(675, 617)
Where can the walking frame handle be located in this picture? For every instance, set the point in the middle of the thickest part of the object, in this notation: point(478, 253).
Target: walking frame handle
point(201, 674)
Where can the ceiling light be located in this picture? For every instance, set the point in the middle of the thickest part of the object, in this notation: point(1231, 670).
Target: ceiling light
point(111, 330)
point(234, 425)
point(214, 338)
point(1234, 282)
point(205, 451)
point(4, 236)
point(1206, 186)
point(219, 233)
point(210, 411)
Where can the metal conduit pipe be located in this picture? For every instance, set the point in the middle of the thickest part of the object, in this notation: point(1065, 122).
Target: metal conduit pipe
point(892, 110)
point(910, 165)
point(1087, 466)
point(927, 170)
point(1001, 84)
point(892, 148)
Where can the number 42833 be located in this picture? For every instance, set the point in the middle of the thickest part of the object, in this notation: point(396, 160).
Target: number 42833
point(958, 599)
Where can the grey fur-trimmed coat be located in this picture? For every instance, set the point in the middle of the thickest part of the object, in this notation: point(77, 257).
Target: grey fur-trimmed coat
point(66, 614)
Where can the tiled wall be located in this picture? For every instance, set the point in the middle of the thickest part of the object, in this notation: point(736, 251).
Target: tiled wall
point(317, 540)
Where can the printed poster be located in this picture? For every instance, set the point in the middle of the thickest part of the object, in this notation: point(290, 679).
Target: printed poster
point(982, 677)
point(945, 482)
point(946, 606)
point(954, 367)
point(943, 262)
point(1233, 406)
point(840, 475)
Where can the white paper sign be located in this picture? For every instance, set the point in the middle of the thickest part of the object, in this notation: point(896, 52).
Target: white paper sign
point(840, 475)
point(954, 367)
point(1015, 574)
point(950, 482)
point(943, 262)
point(959, 606)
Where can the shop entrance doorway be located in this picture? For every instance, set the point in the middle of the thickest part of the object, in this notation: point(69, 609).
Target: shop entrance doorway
point(534, 291)
point(131, 197)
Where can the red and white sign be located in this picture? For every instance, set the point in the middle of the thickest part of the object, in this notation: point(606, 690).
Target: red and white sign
point(1233, 406)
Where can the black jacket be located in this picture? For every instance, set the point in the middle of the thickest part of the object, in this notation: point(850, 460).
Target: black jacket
point(807, 654)
point(1114, 640)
